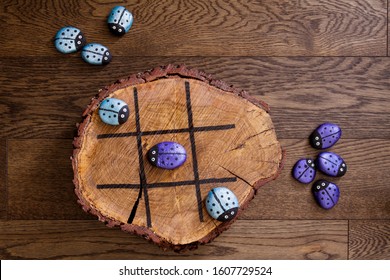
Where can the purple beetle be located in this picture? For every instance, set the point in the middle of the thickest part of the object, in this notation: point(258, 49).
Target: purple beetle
point(326, 193)
point(304, 170)
point(325, 136)
point(167, 155)
point(331, 164)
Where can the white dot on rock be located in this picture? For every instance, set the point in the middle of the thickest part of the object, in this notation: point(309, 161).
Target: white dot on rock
point(317, 138)
point(153, 152)
point(232, 213)
point(318, 143)
point(341, 169)
point(153, 159)
point(125, 110)
point(80, 36)
point(226, 216)
point(114, 27)
point(323, 184)
point(122, 116)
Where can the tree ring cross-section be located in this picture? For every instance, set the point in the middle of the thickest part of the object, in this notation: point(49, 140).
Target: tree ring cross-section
point(228, 135)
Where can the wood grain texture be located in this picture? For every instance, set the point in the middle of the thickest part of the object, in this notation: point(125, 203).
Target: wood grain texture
point(369, 240)
point(245, 240)
point(41, 193)
point(169, 98)
point(205, 28)
point(350, 91)
point(3, 179)
point(49, 195)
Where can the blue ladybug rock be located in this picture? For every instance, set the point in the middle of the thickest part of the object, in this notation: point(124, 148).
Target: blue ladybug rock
point(114, 111)
point(222, 204)
point(326, 193)
point(331, 164)
point(69, 39)
point(119, 20)
point(167, 155)
point(96, 54)
point(304, 170)
point(325, 136)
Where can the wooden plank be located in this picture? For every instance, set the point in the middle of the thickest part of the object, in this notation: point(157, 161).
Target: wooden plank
point(34, 194)
point(40, 180)
point(364, 190)
point(194, 28)
point(3, 179)
point(45, 100)
point(245, 240)
point(369, 240)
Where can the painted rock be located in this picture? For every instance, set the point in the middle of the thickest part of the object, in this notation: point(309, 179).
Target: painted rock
point(119, 20)
point(222, 204)
point(326, 193)
point(325, 136)
point(167, 155)
point(114, 111)
point(331, 164)
point(96, 54)
point(304, 170)
point(69, 39)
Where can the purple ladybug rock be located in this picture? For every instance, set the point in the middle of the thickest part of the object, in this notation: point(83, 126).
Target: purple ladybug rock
point(326, 193)
point(304, 170)
point(325, 136)
point(167, 155)
point(331, 164)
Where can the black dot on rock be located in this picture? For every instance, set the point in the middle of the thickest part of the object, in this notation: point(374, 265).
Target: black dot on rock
point(227, 204)
point(67, 30)
point(112, 106)
point(323, 192)
point(87, 56)
point(228, 198)
point(114, 116)
point(299, 166)
point(233, 203)
point(69, 47)
point(213, 204)
point(217, 212)
point(211, 210)
point(94, 56)
point(104, 114)
point(60, 43)
point(118, 12)
point(63, 33)
point(96, 49)
point(98, 59)
point(65, 44)
point(75, 31)
point(109, 117)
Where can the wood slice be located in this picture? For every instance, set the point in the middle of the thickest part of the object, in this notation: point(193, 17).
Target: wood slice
point(229, 138)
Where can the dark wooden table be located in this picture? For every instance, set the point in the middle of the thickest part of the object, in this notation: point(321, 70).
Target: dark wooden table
point(312, 61)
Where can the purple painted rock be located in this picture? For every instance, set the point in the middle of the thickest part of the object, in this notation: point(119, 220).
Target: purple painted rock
point(331, 164)
point(167, 155)
point(325, 136)
point(304, 170)
point(326, 193)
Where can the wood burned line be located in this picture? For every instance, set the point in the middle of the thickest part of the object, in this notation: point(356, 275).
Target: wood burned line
point(167, 184)
point(143, 186)
point(167, 131)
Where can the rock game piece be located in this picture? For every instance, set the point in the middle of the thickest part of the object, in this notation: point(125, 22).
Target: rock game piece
point(326, 193)
point(114, 111)
point(96, 54)
point(325, 136)
point(222, 204)
point(69, 39)
point(167, 155)
point(304, 170)
point(331, 164)
point(119, 20)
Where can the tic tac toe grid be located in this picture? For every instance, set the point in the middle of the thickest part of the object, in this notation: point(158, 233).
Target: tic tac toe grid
point(144, 185)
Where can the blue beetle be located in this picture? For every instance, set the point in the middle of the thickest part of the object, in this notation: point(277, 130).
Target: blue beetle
point(326, 193)
point(167, 155)
point(222, 204)
point(69, 39)
point(114, 111)
point(120, 20)
point(96, 54)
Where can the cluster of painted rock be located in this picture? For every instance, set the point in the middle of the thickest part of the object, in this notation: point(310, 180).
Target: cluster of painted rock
point(325, 193)
point(70, 39)
point(221, 203)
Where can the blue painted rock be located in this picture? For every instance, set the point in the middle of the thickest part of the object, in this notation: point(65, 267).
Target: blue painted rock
point(325, 136)
point(114, 111)
point(331, 164)
point(69, 39)
point(119, 20)
point(96, 54)
point(304, 170)
point(167, 155)
point(326, 193)
point(222, 204)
